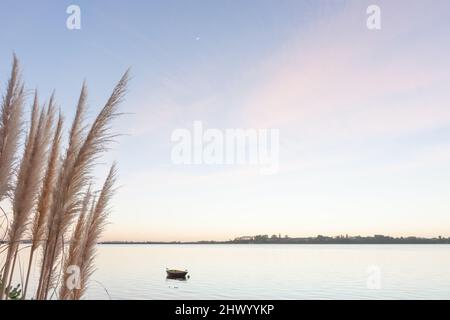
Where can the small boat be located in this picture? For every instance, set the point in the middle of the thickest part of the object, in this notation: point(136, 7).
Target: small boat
point(176, 274)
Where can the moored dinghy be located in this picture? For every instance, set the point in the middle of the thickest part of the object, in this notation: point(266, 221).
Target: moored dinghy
point(176, 274)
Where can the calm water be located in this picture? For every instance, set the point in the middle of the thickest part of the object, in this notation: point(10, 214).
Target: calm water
point(273, 272)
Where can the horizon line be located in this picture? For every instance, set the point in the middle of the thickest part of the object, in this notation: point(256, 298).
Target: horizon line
point(274, 238)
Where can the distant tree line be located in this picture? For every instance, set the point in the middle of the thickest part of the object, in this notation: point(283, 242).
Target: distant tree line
point(341, 239)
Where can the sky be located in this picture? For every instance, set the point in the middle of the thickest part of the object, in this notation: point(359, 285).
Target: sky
point(363, 115)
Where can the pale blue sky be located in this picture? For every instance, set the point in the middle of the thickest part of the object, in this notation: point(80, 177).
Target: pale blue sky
point(364, 116)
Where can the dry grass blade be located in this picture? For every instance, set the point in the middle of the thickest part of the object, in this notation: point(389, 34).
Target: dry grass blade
point(28, 182)
point(10, 128)
point(54, 214)
point(45, 198)
point(95, 225)
point(38, 232)
point(73, 255)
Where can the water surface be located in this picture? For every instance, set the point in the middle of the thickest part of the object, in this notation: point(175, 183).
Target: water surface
point(273, 272)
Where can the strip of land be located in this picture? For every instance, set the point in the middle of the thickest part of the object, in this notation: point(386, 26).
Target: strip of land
point(278, 239)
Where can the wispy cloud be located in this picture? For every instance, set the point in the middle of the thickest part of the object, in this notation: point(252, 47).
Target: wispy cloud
point(342, 79)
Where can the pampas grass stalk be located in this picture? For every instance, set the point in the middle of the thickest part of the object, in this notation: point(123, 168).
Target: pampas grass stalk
point(95, 224)
point(39, 224)
point(73, 255)
point(28, 182)
point(75, 139)
point(10, 128)
point(75, 175)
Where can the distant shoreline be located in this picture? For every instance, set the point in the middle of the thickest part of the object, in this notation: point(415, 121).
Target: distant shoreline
point(227, 243)
point(265, 239)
